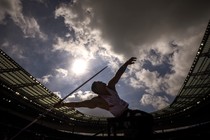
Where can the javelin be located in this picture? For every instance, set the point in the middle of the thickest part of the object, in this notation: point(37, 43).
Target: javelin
point(41, 115)
point(82, 85)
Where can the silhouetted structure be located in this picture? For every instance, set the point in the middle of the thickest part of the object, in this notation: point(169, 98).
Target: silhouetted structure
point(23, 99)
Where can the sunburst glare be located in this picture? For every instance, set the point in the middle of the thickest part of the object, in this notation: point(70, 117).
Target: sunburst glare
point(79, 66)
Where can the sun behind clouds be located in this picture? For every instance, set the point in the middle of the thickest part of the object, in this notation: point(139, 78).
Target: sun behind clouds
point(79, 66)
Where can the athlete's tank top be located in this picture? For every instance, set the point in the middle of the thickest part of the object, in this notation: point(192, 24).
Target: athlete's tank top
point(116, 105)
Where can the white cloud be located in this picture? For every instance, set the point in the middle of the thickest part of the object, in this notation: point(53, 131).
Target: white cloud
point(157, 102)
point(58, 93)
point(28, 25)
point(151, 80)
point(61, 72)
point(45, 79)
point(73, 47)
point(81, 96)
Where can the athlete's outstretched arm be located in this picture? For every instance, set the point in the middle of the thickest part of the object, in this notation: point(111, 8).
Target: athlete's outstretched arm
point(92, 103)
point(119, 73)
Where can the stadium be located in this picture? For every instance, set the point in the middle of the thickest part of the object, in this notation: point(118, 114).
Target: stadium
point(27, 107)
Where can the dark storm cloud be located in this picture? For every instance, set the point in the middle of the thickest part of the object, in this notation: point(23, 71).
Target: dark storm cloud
point(126, 25)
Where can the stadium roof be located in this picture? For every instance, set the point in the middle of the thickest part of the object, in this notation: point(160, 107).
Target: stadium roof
point(24, 85)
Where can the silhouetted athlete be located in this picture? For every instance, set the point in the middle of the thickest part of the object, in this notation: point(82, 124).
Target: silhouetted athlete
point(140, 122)
point(108, 97)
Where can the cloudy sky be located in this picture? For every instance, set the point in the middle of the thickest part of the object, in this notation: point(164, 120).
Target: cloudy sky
point(62, 43)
